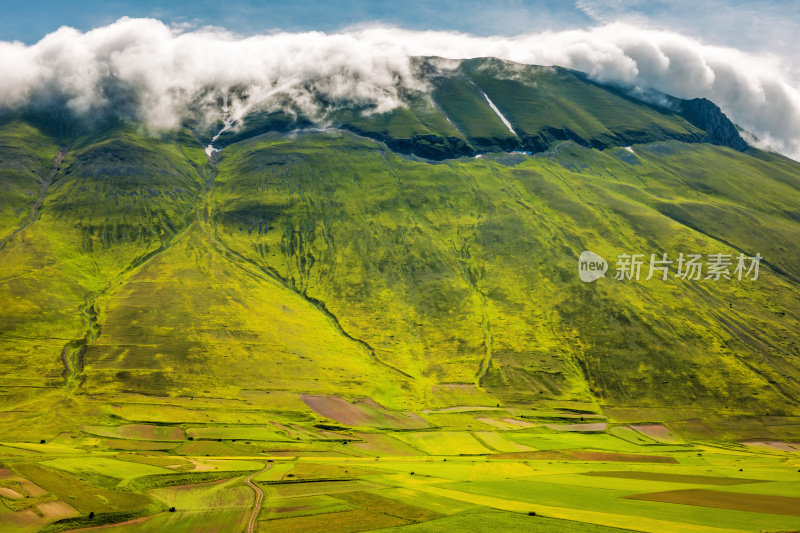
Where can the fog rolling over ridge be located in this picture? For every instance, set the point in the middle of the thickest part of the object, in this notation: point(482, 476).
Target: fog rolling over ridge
point(159, 73)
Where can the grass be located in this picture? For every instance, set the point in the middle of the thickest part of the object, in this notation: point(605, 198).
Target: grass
point(568, 440)
point(540, 101)
point(445, 443)
point(138, 432)
point(27, 156)
point(756, 503)
point(236, 433)
point(488, 521)
point(677, 478)
point(304, 506)
point(122, 470)
point(344, 521)
point(223, 494)
point(441, 505)
point(497, 442)
point(206, 521)
point(314, 488)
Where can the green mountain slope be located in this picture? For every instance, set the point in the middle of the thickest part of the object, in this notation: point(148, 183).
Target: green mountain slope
point(26, 167)
point(482, 257)
point(337, 262)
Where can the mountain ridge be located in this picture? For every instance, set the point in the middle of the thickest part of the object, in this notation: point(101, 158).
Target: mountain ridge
point(423, 126)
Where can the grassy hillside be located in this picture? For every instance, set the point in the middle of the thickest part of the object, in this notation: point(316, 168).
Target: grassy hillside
point(483, 256)
point(150, 269)
point(111, 205)
point(27, 162)
point(543, 105)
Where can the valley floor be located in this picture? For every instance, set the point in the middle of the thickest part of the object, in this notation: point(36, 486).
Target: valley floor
point(471, 468)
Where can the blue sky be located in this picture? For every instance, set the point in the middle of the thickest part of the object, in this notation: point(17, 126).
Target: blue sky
point(761, 25)
point(28, 21)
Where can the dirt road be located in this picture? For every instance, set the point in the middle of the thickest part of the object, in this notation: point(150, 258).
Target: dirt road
point(251, 526)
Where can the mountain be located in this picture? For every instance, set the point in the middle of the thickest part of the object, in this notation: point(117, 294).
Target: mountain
point(424, 258)
point(492, 105)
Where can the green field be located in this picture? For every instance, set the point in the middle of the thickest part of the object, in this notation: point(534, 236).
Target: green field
point(433, 480)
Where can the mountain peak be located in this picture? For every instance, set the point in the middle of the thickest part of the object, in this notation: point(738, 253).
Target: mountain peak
point(491, 105)
point(707, 116)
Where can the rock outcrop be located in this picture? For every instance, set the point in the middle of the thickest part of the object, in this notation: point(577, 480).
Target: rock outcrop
point(707, 116)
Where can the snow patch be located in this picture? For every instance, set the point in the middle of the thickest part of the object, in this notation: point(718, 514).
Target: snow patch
point(226, 125)
point(499, 114)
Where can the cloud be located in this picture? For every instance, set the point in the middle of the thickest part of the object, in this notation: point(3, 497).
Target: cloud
point(753, 25)
point(165, 71)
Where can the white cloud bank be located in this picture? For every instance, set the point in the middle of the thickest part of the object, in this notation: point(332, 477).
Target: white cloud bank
point(168, 68)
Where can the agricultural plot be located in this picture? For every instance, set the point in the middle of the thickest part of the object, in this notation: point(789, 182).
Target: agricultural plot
point(592, 427)
point(209, 448)
point(34, 517)
point(138, 432)
point(24, 506)
point(121, 470)
point(315, 488)
point(630, 435)
point(658, 432)
point(566, 440)
point(326, 477)
point(343, 521)
point(495, 441)
point(455, 469)
point(604, 484)
point(221, 494)
point(445, 442)
point(496, 423)
point(437, 504)
point(139, 445)
point(208, 464)
point(303, 506)
point(676, 478)
point(236, 433)
point(775, 446)
point(756, 503)
point(383, 444)
point(165, 461)
point(492, 520)
point(207, 521)
point(276, 473)
point(363, 413)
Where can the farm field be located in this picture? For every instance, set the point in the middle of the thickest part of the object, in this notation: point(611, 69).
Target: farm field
point(531, 478)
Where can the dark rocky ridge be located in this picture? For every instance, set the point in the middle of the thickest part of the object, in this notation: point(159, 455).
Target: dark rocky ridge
point(707, 116)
